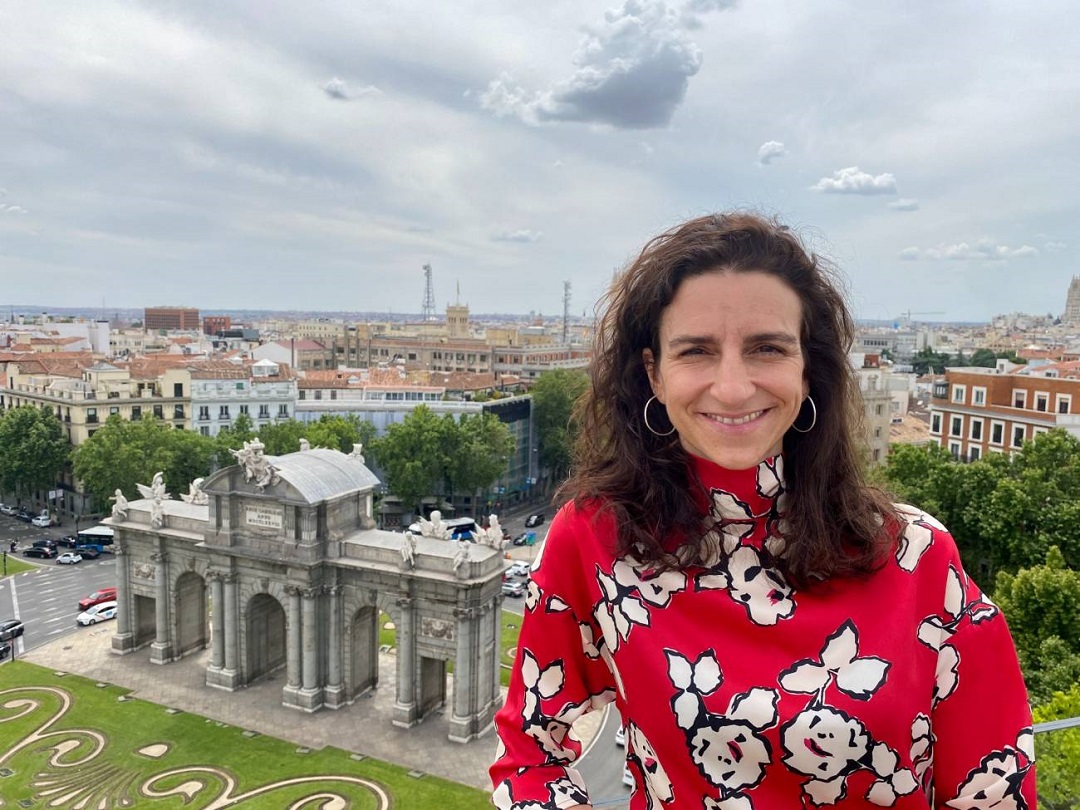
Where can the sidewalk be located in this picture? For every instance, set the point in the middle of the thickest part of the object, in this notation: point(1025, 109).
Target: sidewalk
point(363, 728)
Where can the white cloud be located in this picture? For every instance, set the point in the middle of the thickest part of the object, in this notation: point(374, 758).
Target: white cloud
point(983, 250)
point(12, 209)
point(523, 235)
point(854, 180)
point(633, 70)
point(338, 90)
point(1053, 247)
point(770, 151)
point(904, 204)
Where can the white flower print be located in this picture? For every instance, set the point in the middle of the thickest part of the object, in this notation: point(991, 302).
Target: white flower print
point(770, 477)
point(917, 537)
point(922, 750)
point(858, 677)
point(568, 788)
point(996, 784)
point(627, 594)
point(658, 787)
point(727, 748)
point(549, 731)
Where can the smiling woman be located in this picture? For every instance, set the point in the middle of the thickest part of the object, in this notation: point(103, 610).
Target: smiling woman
point(773, 631)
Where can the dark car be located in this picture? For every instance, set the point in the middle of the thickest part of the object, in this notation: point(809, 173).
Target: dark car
point(5, 650)
point(41, 552)
point(534, 519)
point(10, 628)
point(45, 542)
point(68, 541)
point(88, 552)
point(23, 514)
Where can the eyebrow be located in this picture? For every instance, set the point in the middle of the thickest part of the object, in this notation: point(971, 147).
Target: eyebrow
point(785, 338)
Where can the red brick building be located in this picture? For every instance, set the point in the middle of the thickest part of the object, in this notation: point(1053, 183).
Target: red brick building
point(212, 324)
point(171, 319)
point(975, 411)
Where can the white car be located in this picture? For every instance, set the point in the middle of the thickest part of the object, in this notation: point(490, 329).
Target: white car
point(627, 776)
point(42, 521)
point(519, 569)
point(97, 613)
point(69, 558)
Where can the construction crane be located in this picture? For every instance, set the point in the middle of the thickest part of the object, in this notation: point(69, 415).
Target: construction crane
point(427, 310)
point(905, 317)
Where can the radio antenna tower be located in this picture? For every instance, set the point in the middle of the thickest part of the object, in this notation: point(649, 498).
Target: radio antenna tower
point(566, 313)
point(427, 311)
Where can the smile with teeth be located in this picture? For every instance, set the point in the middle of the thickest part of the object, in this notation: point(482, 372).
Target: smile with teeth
point(734, 420)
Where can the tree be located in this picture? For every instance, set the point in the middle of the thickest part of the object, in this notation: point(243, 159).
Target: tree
point(1059, 752)
point(984, 358)
point(340, 432)
point(1041, 604)
point(926, 360)
point(33, 450)
point(479, 447)
point(554, 394)
point(232, 438)
point(121, 454)
point(410, 455)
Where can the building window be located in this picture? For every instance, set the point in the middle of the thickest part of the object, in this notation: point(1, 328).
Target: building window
point(877, 433)
point(303, 395)
point(877, 454)
point(978, 396)
point(959, 392)
point(178, 412)
point(1017, 435)
point(283, 410)
point(178, 389)
point(974, 454)
point(223, 412)
point(954, 448)
point(956, 426)
point(879, 409)
point(205, 430)
point(318, 394)
point(113, 409)
point(1064, 403)
point(159, 412)
point(997, 432)
point(976, 430)
point(136, 413)
point(1038, 431)
point(935, 423)
point(333, 393)
point(91, 415)
point(244, 410)
point(1019, 399)
point(204, 413)
point(264, 411)
point(1042, 402)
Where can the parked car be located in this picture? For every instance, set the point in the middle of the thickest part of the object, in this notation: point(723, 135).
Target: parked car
point(42, 521)
point(68, 540)
point(88, 552)
point(10, 628)
point(44, 542)
point(98, 613)
point(525, 539)
point(534, 519)
point(513, 589)
point(519, 569)
point(69, 558)
point(5, 650)
point(6, 510)
point(620, 736)
point(41, 552)
point(24, 514)
point(627, 776)
point(97, 597)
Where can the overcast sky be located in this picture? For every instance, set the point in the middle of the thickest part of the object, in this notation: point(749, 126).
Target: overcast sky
point(316, 155)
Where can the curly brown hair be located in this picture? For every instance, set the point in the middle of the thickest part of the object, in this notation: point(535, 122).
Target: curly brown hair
point(834, 521)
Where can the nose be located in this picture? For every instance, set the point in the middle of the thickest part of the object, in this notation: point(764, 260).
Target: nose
point(732, 382)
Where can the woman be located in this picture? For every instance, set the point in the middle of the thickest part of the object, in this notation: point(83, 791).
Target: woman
point(775, 633)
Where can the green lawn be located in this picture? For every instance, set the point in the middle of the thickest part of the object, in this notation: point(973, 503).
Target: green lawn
point(511, 629)
point(13, 565)
point(64, 742)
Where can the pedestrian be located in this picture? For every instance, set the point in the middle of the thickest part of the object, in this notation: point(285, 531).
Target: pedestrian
point(774, 632)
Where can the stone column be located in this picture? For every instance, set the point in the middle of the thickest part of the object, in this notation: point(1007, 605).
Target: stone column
point(310, 695)
point(161, 649)
point(290, 693)
point(465, 668)
point(217, 620)
point(334, 693)
point(232, 628)
point(123, 640)
point(405, 706)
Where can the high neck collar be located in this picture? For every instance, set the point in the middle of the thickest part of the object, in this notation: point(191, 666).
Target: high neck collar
point(741, 494)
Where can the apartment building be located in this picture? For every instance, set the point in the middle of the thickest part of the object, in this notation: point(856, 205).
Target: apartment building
point(223, 390)
point(171, 319)
point(975, 411)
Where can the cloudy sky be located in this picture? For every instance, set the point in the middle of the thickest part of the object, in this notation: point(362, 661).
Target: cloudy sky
point(316, 155)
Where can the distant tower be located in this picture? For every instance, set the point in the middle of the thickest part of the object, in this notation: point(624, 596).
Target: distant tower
point(566, 313)
point(1072, 303)
point(427, 311)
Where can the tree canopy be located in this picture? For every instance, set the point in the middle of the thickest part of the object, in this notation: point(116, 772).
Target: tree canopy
point(554, 394)
point(33, 449)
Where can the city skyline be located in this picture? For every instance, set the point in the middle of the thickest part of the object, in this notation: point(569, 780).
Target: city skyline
point(314, 159)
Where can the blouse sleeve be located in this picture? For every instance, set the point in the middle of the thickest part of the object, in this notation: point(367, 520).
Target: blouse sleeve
point(555, 679)
point(982, 739)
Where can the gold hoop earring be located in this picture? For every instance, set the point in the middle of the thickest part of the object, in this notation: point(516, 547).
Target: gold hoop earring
point(653, 430)
point(813, 421)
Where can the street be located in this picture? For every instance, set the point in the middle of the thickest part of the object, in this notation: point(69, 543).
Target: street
point(46, 598)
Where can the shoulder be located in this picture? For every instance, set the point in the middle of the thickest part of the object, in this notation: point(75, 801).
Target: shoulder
point(923, 541)
point(581, 536)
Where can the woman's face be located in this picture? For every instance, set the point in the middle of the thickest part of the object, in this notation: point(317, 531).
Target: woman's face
point(731, 369)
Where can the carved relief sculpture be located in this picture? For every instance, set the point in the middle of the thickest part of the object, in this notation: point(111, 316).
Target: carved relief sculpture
point(120, 505)
point(257, 468)
point(195, 494)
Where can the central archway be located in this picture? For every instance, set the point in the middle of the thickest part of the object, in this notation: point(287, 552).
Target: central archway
point(265, 636)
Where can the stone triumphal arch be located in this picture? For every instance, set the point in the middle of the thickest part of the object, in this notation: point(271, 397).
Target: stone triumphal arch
point(276, 562)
